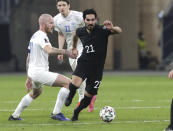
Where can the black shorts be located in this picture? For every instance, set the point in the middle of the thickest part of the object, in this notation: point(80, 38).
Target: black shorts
point(92, 73)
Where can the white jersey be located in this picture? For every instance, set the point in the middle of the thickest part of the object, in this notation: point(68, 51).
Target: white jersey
point(38, 57)
point(68, 25)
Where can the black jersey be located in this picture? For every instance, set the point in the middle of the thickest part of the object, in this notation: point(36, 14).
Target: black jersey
point(94, 44)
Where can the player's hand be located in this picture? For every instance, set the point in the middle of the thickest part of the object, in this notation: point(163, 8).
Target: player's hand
point(72, 53)
point(75, 52)
point(108, 24)
point(60, 57)
point(170, 74)
point(28, 84)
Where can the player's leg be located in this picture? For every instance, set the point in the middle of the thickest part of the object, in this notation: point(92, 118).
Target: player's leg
point(91, 105)
point(81, 90)
point(63, 82)
point(170, 127)
point(83, 104)
point(79, 75)
point(98, 76)
point(76, 82)
point(91, 90)
point(25, 102)
point(56, 80)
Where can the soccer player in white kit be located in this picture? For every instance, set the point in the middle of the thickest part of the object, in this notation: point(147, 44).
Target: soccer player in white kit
point(66, 23)
point(38, 70)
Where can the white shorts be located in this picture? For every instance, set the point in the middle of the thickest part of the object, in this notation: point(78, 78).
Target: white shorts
point(42, 77)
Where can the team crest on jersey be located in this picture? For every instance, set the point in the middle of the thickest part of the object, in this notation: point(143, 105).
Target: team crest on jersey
point(46, 41)
point(104, 27)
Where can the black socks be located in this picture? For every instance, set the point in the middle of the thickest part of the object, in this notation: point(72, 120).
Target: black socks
point(72, 93)
point(84, 103)
point(72, 89)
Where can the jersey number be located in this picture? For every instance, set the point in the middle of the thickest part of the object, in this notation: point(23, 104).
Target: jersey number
point(89, 49)
point(97, 84)
point(67, 29)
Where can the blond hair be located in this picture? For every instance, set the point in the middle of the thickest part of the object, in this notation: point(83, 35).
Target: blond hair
point(44, 18)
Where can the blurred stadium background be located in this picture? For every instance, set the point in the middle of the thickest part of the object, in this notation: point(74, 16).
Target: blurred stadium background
point(142, 99)
point(154, 18)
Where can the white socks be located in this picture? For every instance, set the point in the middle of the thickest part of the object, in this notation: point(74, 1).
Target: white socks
point(81, 90)
point(26, 100)
point(62, 95)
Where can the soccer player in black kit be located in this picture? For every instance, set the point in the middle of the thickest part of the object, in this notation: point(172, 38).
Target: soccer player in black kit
point(91, 63)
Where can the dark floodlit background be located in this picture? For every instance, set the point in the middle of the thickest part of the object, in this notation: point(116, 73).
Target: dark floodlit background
point(151, 18)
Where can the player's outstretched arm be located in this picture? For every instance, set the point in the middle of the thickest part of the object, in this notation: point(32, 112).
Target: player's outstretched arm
point(55, 51)
point(61, 41)
point(113, 29)
point(170, 76)
point(116, 29)
point(75, 40)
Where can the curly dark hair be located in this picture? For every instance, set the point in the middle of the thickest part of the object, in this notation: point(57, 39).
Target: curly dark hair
point(89, 11)
point(64, 1)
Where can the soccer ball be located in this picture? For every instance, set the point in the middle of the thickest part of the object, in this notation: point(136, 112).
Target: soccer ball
point(107, 114)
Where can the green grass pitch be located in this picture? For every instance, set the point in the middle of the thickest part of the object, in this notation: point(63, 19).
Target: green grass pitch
point(142, 103)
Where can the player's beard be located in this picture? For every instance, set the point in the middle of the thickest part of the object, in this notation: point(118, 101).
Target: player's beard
point(90, 27)
point(49, 30)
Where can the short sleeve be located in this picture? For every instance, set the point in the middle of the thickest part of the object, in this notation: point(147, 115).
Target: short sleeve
point(80, 18)
point(43, 42)
point(56, 28)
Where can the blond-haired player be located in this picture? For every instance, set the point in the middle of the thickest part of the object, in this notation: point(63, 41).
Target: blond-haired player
point(38, 73)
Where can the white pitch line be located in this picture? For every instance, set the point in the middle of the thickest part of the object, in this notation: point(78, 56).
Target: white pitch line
point(133, 100)
point(9, 102)
point(85, 123)
point(137, 100)
point(105, 101)
point(7, 110)
point(142, 107)
point(120, 108)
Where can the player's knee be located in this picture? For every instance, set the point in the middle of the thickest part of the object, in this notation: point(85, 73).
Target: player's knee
point(73, 86)
point(88, 94)
point(66, 81)
point(35, 93)
point(66, 84)
point(76, 83)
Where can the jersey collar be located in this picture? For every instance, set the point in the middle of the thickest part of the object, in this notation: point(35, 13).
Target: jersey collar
point(68, 16)
point(43, 32)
